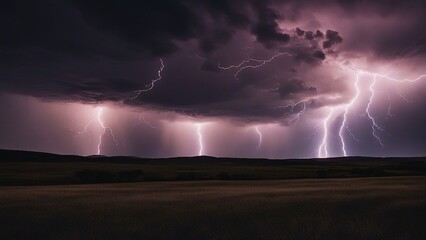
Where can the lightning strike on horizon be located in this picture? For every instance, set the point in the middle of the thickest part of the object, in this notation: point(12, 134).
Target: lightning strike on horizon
point(101, 123)
point(150, 86)
point(345, 119)
point(374, 125)
point(256, 63)
point(260, 137)
point(200, 139)
point(323, 148)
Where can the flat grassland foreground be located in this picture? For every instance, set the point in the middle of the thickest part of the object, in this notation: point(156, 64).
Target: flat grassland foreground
point(361, 208)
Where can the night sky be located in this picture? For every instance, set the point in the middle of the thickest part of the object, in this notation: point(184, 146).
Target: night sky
point(253, 78)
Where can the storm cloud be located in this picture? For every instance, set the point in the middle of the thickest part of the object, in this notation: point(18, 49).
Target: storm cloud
point(244, 61)
point(80, 51)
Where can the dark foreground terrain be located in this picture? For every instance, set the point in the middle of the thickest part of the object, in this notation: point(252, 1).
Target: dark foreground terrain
point(46, 196)
point(363, 208)
point(32, 168)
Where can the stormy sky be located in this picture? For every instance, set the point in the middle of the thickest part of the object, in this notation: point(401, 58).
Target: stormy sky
point(252, 78)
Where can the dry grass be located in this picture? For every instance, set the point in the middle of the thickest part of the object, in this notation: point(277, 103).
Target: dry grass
point(62, 170)
point(363, 208)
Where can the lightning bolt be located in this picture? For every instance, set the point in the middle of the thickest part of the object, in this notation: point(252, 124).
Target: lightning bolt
point(345, 118)
point(323, 148)
point(85, 129)
point(405, 80)
point(150, 86)
point(374, 125)
point(292, 108)
point(402, 96)
point(200, 139)
point(389, 113)
point(260, 137)
point(101, 123)
point(299, 113)
point(251, 63)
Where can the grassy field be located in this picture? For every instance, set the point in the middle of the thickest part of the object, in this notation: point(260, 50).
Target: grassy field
point(29, 168)
point(362, 208)
point(47, 196)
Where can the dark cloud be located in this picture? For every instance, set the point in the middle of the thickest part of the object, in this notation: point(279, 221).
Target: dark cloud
point(112, 28)
point(94, 51)
point(212, 41)
point(314, 50)
point(97, 51)
point(299, 32)
point(157, 25)
point(319, 54)
point(294, 86)
point(389, 29)
point(319, 34)
point(309, 35)
point(154, 25)
point(210, 65)
point(331, 38)
point(309, 54)
point(266, 28)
